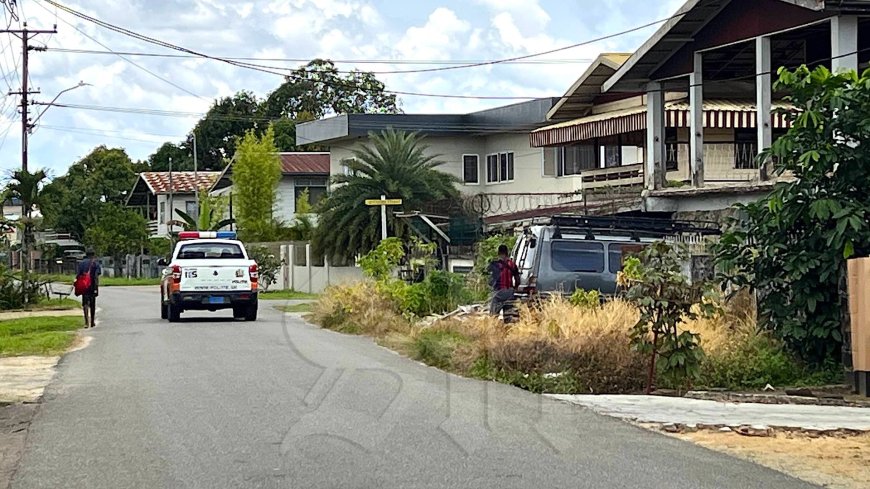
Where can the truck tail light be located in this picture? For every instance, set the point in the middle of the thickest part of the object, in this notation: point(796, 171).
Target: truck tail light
point(254, 272)
point(176, 274)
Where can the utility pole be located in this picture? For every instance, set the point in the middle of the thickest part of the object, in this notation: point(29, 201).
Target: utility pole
point(25, 35)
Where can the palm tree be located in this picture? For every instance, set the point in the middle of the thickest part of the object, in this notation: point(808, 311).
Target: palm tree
point(211, 211)
point(395, 165)
point(27, 187)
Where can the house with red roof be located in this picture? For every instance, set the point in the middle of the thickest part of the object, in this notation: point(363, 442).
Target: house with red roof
point(300, 171)
point(159, 193)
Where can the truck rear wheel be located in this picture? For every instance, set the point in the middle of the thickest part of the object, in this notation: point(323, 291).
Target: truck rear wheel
point(164, 313)
point(174, 313)
point(251, 312)
point(240, 312)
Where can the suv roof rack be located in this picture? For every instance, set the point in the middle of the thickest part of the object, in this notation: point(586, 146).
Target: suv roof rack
point(647, 226)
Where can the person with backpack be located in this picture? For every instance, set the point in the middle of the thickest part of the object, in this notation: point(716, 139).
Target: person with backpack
point(504, 279)
point(88, 287)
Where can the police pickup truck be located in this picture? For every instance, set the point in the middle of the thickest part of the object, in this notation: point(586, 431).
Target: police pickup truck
point(209, 271)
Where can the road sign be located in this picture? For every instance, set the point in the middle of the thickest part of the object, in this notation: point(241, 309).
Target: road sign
point(384, 202)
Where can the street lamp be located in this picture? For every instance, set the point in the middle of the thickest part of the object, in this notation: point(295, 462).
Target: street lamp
point(48, 105)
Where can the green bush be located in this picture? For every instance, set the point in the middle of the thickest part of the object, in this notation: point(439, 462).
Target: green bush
point(13, 295)
point(267, 264)
point(758, 359)
point(585, 299)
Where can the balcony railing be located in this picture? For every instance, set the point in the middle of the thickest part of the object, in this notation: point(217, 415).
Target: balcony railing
point(616, 176)
point(723, 162)
point(152, 228)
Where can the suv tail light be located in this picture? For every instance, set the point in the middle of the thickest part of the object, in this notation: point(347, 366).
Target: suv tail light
point(254, 273)
point(176, 274)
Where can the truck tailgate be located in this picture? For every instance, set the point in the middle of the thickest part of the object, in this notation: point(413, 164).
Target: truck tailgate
point(215, 278)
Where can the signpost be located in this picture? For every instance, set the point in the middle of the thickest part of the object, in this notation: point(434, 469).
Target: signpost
point(383, 202)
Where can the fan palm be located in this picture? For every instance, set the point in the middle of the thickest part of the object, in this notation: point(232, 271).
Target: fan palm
point(395, 164)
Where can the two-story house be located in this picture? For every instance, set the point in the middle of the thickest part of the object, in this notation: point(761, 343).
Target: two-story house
point(697, 101)
point(158, 194)
point(500, 173)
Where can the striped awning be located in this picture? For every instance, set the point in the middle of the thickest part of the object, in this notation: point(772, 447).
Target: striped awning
point(718, 114)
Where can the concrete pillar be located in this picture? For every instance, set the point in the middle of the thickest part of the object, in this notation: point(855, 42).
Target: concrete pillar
point(844, 43)
point(696, 122)
point(286, 266)
point(308, 267)
point(763, 97)
point(291, 266)
point(654, 163)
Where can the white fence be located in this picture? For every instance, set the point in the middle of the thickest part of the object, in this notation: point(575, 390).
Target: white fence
point(299, 272)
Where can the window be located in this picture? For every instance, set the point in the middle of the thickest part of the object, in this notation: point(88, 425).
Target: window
point(572, 160)
point(549, 162)
point(315, 194)
point(205, 251)
point(500, 167)
point(191, 209)
point(491, 168)
point(161, 216)
point(345, 168)
point(470, 169)
point(617, 253)
point(577, 256)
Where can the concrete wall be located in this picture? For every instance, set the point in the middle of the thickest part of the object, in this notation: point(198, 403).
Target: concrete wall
point(310, 278)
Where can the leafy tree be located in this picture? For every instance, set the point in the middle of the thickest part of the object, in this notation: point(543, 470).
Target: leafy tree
point(792, 246)
point(318, 89)
point(666, 299)
point(118, 231)
point(158, 246)
point(219, 131)
point(212, 209)
point(182, 159)
point(395, 165)
point(74, 201)
point(256, 174)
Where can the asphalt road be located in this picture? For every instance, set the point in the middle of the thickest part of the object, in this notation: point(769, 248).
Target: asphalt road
point(215, 403)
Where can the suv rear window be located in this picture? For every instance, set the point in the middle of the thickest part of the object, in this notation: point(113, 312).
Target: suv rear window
point(617, 253)
point(204, 251)
point(577, 256)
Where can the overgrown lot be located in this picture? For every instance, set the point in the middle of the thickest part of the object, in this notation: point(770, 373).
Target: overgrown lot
point(563, 348)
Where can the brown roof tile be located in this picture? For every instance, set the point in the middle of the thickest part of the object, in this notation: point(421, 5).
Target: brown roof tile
point(182, 181)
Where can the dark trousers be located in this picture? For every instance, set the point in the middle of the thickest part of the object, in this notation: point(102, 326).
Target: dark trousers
point(501, 299)
point(89, 305)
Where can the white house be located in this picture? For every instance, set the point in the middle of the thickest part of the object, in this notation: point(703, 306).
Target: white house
point(159, 193)
point(500, 173)
point(299, 171)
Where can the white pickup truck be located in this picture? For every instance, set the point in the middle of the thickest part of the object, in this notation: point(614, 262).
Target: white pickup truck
point(209, 272)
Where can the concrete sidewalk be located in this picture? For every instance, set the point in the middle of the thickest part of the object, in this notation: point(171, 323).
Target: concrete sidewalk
point(677, 410)
point(6, 316)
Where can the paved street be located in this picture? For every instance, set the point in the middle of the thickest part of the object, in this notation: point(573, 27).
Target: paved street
point(278, 403)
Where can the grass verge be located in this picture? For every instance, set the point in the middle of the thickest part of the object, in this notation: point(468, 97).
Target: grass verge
point(38, 336)
point(104, 281)
point(286, 295)
point(305, 307)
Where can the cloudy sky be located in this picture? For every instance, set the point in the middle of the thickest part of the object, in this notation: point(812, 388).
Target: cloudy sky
point(431, 31)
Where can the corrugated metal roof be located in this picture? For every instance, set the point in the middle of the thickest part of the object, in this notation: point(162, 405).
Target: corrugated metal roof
point(304, 163)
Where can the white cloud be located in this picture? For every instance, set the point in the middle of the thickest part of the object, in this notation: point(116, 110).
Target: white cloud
point(338, 29)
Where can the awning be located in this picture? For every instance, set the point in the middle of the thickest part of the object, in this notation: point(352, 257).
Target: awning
point(718, 114)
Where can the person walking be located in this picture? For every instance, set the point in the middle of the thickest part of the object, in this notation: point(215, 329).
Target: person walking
point(88, 286)
point(504, 279)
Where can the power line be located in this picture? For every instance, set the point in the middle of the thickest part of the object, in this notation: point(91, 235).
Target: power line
point(137, 65)
point(255, 67)
point(336, 61)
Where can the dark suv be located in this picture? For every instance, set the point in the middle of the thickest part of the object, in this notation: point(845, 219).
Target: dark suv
point(586, 252)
